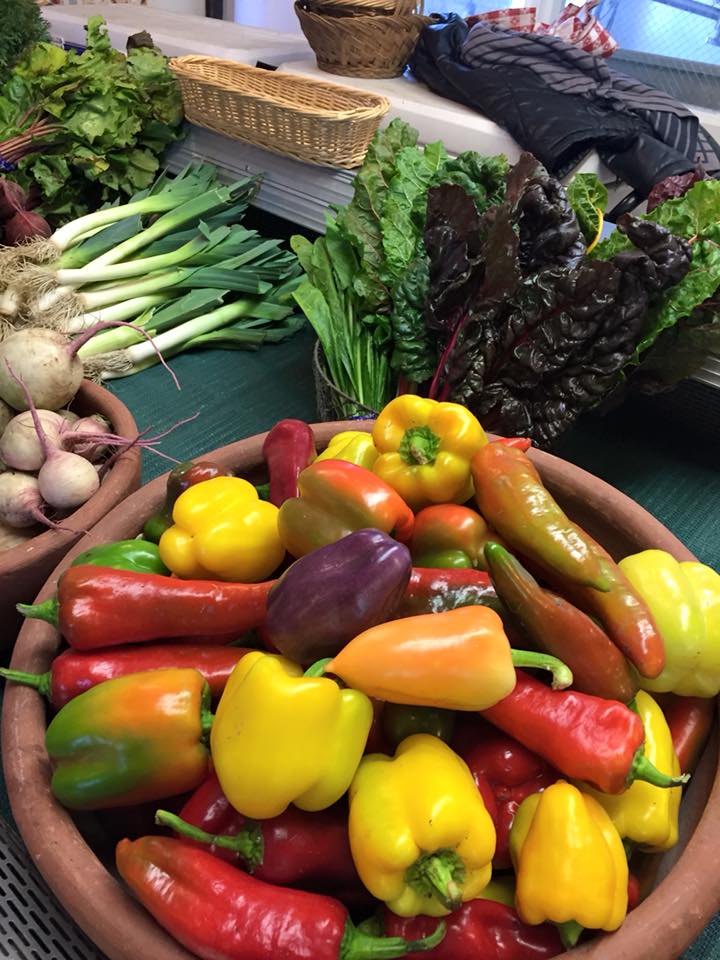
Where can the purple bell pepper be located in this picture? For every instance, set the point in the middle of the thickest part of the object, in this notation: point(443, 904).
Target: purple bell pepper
point(334, 593)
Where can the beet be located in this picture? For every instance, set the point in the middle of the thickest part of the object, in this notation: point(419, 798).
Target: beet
point(26, 225)
point(12, 198)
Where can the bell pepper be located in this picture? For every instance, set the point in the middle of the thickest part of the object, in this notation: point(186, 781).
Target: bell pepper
point(222, 531)
point(480, 930)
point(420, 835)
point(74, 672)
point(457, 660)
point(288, 448)
point(512, 498)
point(338, 498)
point(400, 721)
point(100, 607)
point(353, 446)
point(328, 596)
point(280, 737)
point(432, 590)
point(690, 720)
point(425, 449)
point(512, 771)
point(684, 600)
point(310, 850)
point(646, 814)
point(180, 478)
point(131, 740)
point(220, 913)
point(449, 531)
point(559, 628)
point(586, 738)
point(570, 863)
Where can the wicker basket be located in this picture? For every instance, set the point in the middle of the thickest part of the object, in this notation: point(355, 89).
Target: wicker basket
point(369, 8)
point(307, 119)
point(361, 46)
point(331, 402)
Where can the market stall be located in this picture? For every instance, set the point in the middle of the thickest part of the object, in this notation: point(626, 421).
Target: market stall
point(498, 538)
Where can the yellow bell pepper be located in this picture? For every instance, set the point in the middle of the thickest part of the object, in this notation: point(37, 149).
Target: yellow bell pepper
point(684, 599)
point(425, 449)
point(569, 862)
point(353, 446)
point(420, 835)
point(281, 737)
point(645, 814)
point(223, 531)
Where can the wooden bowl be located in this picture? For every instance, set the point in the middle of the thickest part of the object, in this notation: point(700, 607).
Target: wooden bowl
point(686, 893)
point(25, 567)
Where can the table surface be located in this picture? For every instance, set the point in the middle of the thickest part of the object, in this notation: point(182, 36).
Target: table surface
point(663, 452)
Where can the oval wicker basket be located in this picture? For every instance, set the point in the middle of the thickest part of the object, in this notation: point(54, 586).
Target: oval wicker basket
point(310, 120)
point(361, 46)
point(369, 8)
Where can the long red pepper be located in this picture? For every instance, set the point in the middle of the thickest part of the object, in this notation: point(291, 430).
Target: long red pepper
point(221, 913)
point(74, 671)
point(288, 448)
point(101, 607)
point(584, 737)
point(690, 720)
point(481, 930)
point(296, 848)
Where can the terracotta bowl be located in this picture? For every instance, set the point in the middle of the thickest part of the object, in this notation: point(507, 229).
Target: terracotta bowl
point(25, 567)
point(685, 894)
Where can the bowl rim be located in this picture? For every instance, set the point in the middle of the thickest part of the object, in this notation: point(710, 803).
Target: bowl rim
point(81, 882)
point(119, 478)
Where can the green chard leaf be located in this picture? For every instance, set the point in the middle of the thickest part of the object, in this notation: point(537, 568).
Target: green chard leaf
point(588, 197)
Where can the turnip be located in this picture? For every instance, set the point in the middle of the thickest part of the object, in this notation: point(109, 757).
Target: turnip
point(20, 446)
point(65, 481)
point(6, 415)
point(82, 437)
point(20, 502)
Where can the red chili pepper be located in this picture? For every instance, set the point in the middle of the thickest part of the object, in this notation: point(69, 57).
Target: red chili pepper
point(512, 772)
point(584, 737)
point(690, 720)
point(432, 590)
point(310, 850)
point(101, 607)
point(519, 443)
point(633, 891)
point(288, 448)
point(481, 930)
point(220, 913)
point(73, 671)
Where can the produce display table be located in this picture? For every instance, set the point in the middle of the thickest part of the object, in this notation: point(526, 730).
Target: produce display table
point(656, 451)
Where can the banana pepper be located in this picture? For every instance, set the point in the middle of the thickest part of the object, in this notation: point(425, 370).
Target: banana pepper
point(420, 835)
point(425, 449)
point(684, 599)
point(569, 861)
point(281, 737)
point(646, 814)
point(222, 531)
point(353, 446)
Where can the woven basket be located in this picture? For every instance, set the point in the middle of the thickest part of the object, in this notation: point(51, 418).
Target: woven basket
point(309, 120)
point(361, 46)
point(369, 8)
point(331, 402)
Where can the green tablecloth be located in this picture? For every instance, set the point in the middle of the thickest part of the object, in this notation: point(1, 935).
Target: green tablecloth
point(663, 453)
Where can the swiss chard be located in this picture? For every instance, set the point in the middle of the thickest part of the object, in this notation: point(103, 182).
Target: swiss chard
point(588, 197)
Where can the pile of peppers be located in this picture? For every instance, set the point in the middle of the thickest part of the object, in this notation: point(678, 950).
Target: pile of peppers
point(392, 703)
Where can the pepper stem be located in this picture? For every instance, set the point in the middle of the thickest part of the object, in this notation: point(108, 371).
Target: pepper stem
point(359, 945)
point(562, 674)
point(644, 769)
point(248, 843)
point(419, 446)
point(438, 875)
point(40, 681)
point(570, 932)
point(318, 668)
point(47, 610)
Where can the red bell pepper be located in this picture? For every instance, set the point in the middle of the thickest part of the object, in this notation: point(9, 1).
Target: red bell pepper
point(481, 930)
point(584, 737)
point(310, 850)
point(73, 671)
point(512, 771)
point(220, 913)
point(449, 535)
point(288, 448)
point(690, 720)
point(435, 590)
point(101, 607)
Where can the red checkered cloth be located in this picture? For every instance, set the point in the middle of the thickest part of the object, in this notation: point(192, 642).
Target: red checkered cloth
point(575, 24)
